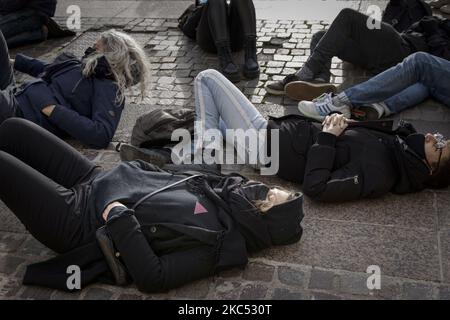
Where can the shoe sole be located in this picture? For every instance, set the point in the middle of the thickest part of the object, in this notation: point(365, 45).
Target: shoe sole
point(275, 92)
point(369, 113)
point(131, 153)
point(234, 78)
point(307, 91)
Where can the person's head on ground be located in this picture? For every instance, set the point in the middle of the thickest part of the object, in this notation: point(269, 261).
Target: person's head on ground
point(275, 196)
point(126, 58)
point(437, 151)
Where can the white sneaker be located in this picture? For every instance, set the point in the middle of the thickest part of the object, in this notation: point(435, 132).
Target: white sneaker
point(321, 107)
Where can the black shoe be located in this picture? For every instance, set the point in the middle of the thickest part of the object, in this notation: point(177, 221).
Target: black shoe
point(157, 156)
point(251, 66)
point(277, 87)
point(228, 68)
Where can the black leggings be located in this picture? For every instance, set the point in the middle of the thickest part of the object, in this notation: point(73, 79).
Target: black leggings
point(41, 178)
point(349, 39)
point(223, 23)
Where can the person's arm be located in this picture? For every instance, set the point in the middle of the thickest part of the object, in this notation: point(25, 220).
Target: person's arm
point(33, 67)
point(96, 131)
point(323, 183)
point(150, 272)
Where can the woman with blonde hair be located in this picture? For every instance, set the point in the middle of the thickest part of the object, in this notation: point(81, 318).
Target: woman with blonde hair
point(71, 97)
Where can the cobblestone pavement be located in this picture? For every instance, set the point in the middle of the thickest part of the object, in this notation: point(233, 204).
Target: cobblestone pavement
point(407, 236)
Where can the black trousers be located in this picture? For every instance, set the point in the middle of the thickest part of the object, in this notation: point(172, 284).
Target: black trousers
point(349, 39)
point(40, 175)
point(8, 104)
point(222, 23)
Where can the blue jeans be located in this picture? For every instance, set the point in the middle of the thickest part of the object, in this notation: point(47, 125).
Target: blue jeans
point(220, 105)
point(419, 76)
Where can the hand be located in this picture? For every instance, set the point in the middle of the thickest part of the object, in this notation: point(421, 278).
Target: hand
point(109, 208)
point(335, 124)
point(48, 110)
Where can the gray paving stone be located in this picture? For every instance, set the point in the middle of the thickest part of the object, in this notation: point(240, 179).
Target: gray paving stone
point(9, 264)
point(259, 272)
point(97, 294)
point(323, 280)
point(197, 290)
point(293, 277)
point(253, 291)
point(286, 294)
point(418, 291)
point(36, 293)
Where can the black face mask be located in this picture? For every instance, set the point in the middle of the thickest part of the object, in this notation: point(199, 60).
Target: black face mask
point(416, 142)
point(255, 191)
point(103, 69)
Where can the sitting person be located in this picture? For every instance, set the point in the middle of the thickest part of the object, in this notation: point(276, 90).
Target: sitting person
point(161, 228)
point(225, 28)
point(418, 77)
point(28, 21)
point(375, 50)
point(82, 99)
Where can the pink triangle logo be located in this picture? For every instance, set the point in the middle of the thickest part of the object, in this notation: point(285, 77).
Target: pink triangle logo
point(199, 209)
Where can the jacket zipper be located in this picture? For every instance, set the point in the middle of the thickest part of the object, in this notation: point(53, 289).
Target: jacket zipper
point(354, 178)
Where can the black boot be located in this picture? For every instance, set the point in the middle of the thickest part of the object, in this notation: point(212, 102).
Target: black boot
point(228, 68)
point(251, 67)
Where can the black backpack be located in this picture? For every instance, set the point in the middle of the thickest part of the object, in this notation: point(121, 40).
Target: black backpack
point(401, 14)
point(190, 19)
point(154, 129)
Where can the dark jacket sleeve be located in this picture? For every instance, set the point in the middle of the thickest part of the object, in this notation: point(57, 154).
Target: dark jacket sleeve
point(98, 130)
point(150, 272)
point(8, 6)
point(33, 67)
point(344, 184)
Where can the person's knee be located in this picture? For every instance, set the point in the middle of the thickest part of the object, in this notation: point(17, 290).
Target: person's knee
point(15, 126)
point(347, 13)
point(209, 73)
point(418, 58)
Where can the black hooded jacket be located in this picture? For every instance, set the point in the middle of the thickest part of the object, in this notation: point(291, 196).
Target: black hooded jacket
point(46, 7)
point(361, 163)
point(177, 226)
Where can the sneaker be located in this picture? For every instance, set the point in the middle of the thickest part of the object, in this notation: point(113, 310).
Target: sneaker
point(308, 91)
point(321, 107)
point(373, 111)
point(277, 87)
point(157, 156)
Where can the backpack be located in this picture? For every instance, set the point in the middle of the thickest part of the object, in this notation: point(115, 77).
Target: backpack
point(190, 19)
point(401, 14)
point(154, 129)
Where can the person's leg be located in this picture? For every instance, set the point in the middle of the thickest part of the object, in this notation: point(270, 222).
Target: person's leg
point(217, 99)
point(47, 210)
point(351, 40)
point(423, 68)
point(242, 20)
point(7, 72)
point(204, 37)
point(409, 97)
point(324, 75)
point(44, 152)
point(23, 27)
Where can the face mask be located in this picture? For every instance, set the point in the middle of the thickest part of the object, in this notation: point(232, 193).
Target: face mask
point(416, 142)
point(89, 51)
point(255, 191)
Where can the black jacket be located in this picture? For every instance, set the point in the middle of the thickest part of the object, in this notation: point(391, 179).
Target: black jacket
point(46, 7)
point(361, 163)
point(432, 35)
point(202, 224)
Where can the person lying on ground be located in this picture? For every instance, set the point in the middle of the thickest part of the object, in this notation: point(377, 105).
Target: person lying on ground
point(71, 97)
point(375, 50)
point(420, 76)
point(335, 161)
point(160, 228)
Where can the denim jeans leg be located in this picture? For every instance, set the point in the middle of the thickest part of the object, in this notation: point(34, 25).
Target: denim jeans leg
point(407, 98)
point(219, 105)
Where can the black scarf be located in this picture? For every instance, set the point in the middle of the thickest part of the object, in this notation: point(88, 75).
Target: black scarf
point(103, 69)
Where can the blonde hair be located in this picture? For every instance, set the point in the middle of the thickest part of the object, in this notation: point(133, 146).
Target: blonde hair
point(127, 60)
point(265, 205)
